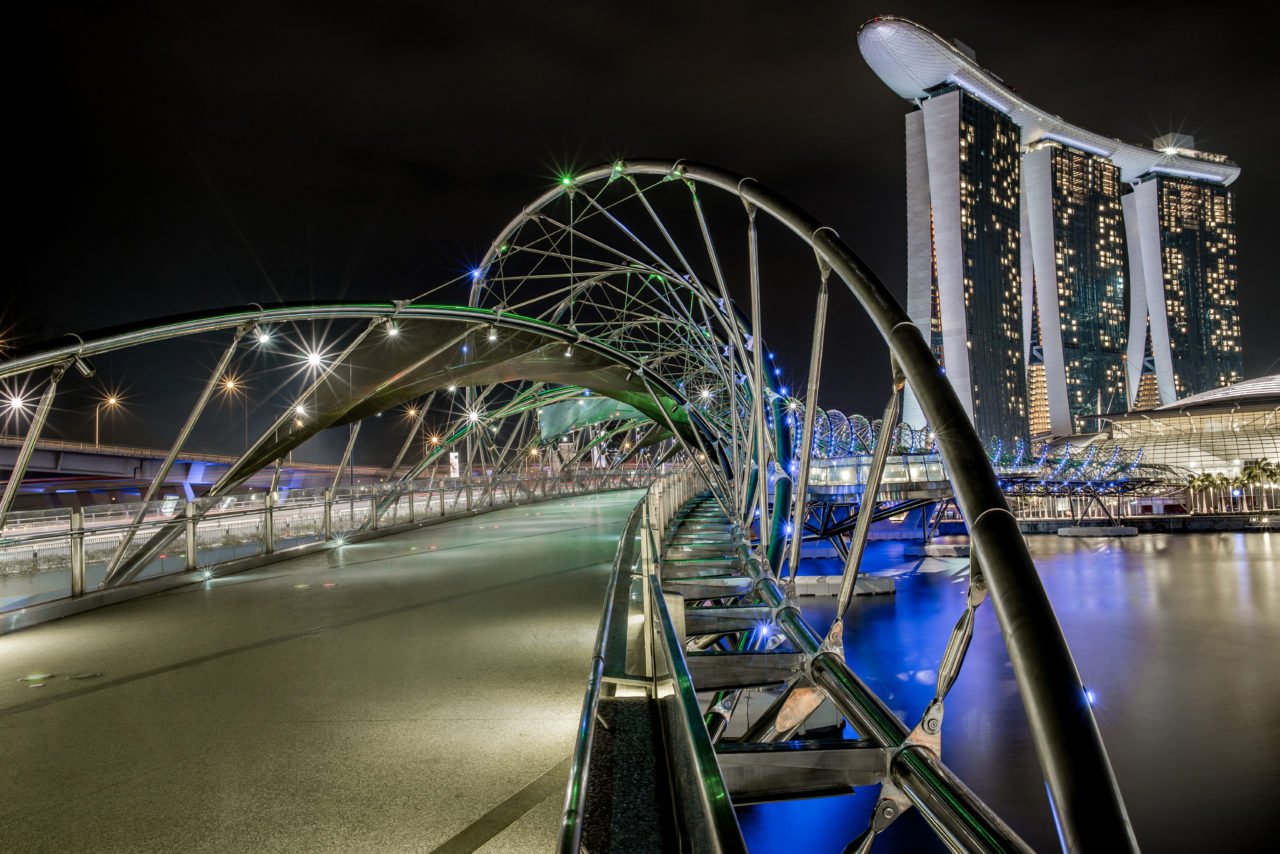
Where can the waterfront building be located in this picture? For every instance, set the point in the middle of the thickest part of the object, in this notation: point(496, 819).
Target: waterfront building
point(1182, 234)
point(1046, 262)
point(1221, 431)
point(1037, 390)
point(964, 263)
point(1075, 250)
point(1147, 395)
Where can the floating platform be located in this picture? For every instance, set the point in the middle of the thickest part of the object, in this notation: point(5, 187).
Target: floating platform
point(1099, 531)
point(935, 550)
point(829, 585)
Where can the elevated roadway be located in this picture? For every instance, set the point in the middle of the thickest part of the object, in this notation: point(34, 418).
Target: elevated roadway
point(59, 466)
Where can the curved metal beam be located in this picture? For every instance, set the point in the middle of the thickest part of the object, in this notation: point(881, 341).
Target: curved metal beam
point(1083, 791)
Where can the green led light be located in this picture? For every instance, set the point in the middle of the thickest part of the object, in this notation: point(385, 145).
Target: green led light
point(566, 180)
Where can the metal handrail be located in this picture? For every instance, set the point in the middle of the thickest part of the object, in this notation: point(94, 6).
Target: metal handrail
point(576, 795)
point(75, 538)
point(703, 796)
point(704, 808)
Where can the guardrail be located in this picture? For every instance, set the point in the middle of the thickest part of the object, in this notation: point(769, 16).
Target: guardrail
point(45, 559)
point(639, 652)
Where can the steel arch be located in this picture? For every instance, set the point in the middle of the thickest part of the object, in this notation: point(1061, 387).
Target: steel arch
point(1082, 786)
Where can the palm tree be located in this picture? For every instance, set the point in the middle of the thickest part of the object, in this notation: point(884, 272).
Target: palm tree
point(1248, 478)
point(1221, 484)
point(1267, 473)
point(1199, 485)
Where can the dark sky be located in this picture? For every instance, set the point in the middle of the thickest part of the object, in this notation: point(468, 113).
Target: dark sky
point(181, 156)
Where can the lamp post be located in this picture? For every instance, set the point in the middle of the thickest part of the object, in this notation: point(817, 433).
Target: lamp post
point(111, 401)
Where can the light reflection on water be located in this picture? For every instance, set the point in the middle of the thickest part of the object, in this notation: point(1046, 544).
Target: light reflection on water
point(1178, 636)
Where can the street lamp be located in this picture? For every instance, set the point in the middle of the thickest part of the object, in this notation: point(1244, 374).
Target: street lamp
point(233, 387)
point(109, 401)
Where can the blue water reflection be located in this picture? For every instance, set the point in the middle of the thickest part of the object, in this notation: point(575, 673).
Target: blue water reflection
point(1176, 636)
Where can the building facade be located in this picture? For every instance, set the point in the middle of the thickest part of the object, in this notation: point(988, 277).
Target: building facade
point(964, 252)
point(1183, 257)
point(1076, 254)
point(1044, 261)
point(1221, 431)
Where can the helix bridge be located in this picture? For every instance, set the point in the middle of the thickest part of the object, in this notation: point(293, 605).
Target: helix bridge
point(612, 337)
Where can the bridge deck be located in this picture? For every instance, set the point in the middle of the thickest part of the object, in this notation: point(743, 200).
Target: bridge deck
point(414, 693)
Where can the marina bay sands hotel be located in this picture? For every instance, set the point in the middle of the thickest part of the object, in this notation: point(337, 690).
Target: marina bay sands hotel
point(1059, 274)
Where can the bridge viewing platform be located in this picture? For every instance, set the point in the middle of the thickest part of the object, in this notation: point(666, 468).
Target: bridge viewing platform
point(366, 697)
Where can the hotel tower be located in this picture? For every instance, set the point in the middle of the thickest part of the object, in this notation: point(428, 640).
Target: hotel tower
point(1059, 275)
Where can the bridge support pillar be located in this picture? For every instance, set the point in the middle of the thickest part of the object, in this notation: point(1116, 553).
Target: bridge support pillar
point(189, 509)
point(373, 512)
point(268, 523)
point(328, 514)
point(77, 552)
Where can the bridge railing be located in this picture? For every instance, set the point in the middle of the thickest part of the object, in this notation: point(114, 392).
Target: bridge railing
point(639, 653)
point(48, 557)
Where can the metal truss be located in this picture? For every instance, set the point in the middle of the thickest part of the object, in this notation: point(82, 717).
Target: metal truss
point(624, 282)
point(627, 253)
point(478, 376)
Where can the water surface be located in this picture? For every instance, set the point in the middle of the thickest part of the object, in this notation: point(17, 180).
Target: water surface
point(1177, 635)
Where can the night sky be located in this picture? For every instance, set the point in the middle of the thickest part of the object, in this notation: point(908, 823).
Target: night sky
point(174, 157)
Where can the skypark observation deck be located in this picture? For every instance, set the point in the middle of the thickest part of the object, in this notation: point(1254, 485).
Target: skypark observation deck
point(913, 61)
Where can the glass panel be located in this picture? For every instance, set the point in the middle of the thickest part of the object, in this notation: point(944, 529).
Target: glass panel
point(350, 512)
point(229, 536)
point(34, 571)
point(396, 514)
point(297, 522)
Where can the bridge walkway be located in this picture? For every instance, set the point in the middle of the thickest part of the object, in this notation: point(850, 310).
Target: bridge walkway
point(418, 692)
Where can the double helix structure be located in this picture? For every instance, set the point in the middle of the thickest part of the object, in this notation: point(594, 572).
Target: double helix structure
point(613, 337)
